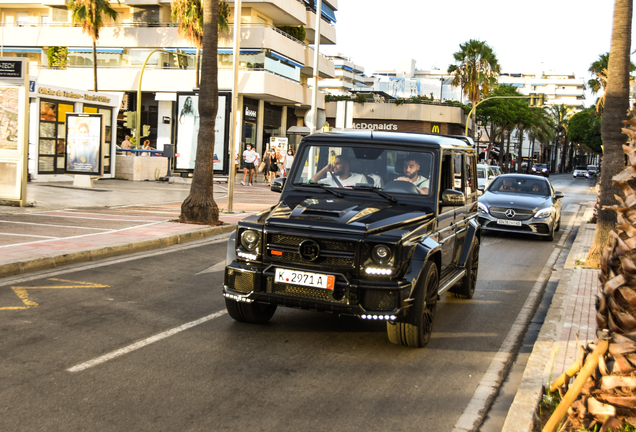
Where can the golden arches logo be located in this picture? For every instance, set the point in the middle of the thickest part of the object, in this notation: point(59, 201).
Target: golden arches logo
point(435, 128)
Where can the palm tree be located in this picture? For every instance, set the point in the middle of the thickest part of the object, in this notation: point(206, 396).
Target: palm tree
point(559, 115)
point(200, 207)
point(541, 129)
point(475, 70)
point(598, 69)
point(91, 14)
point(189, 14)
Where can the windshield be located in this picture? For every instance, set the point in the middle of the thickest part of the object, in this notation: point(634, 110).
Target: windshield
point(516, 185)
point(481, 172)
point(591, 167)
point(540, 165)
point(581, 168)
point(348, 167)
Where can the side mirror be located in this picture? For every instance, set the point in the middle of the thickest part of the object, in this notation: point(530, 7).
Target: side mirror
point(278, 184)
point(452, 197)
point(491, 177)
point(558, 195)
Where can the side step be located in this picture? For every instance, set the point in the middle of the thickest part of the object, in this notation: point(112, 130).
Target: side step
point(451, 279)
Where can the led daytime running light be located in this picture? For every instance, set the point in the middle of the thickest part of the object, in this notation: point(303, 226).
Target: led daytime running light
point(378, 271)
point(247, 256)
point(379, 317)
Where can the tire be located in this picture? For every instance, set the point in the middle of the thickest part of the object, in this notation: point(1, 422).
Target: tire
point(416, 332)
point(254, 313)
point(466, 288)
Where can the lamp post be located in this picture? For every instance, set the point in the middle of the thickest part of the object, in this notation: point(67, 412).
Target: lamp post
point(314, 98)
point(235, 97)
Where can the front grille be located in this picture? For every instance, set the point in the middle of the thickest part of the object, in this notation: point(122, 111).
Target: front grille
point(333, 253)
point(242, 282)
point(520, 214)
point(301, 292)
point(522, 228)
point(379, 300)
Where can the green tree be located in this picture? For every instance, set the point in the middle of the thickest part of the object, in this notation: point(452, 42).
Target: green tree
point(199, 207)
point(189, 15)
point(475, 70)
point(90, 14)
point(541, 130)
point(614, 113)
point(598, 69)
point(560, 115)
point(584, 128)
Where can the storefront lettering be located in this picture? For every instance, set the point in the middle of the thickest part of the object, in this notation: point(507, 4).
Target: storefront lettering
point(249, 112)
point(386, 127)
point(71, 95)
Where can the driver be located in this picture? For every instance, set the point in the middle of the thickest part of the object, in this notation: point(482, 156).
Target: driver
point(340, 169)
point(508, 186)
point(412, 174)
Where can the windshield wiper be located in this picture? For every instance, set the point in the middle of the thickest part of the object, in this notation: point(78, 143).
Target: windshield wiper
point(322, 186)
point(376, 190)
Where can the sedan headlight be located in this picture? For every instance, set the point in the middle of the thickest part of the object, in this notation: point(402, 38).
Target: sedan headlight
point(482, 208)
point(381, 254)
point(250, 239)
point(544, 213)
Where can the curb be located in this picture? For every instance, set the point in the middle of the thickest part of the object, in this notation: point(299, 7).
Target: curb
point(48, 262)
point(523, 413)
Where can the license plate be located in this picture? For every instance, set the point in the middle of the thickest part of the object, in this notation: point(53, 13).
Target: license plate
point(314, 280)
point(508, 222)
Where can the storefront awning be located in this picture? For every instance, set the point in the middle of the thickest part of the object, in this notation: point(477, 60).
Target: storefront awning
point(243, 51)
point(21, 50)
point(298, 130)
point(328, 13)
point(99, 50)
point(183, 50)
point(285, 59)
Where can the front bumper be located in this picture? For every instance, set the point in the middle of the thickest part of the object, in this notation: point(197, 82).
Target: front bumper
point(538, 227)
point(368, 299)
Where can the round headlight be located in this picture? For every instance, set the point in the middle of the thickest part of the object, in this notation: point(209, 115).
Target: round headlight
point(381, 254)
point(249, 239)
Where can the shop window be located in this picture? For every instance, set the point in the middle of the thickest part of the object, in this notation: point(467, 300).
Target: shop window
point(52, 130)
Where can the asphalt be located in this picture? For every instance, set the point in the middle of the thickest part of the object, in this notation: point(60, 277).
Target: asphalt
point(66, 225)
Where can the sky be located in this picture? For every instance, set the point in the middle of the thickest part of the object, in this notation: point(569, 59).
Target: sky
point(526, 35)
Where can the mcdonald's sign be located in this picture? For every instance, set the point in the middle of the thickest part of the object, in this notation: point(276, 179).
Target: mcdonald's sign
point(436, 128)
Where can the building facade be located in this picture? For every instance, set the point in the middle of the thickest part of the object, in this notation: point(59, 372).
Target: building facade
point(274, 67)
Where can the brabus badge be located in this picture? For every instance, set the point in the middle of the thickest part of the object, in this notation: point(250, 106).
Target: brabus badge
point(309, 250)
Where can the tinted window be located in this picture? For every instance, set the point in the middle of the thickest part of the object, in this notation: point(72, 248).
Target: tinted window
point(517, 185)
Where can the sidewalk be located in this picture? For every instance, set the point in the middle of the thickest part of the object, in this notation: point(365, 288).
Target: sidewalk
point(67, 225)
point(572, 312)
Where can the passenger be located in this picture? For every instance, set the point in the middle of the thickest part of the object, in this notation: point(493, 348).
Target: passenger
point(340, 176)
point(412, 174)
point(535, 188)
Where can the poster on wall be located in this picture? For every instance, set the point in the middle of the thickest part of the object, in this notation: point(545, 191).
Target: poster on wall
point(9, 103)
point(188, 131)
point(9, 180)
point(84, 137)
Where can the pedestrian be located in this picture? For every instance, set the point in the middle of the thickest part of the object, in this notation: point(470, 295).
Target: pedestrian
point(273, 165)
point(265, 165)
point(146, 146)
point(126, 144)
point(249, 158)
point(236, 164)
point(289, 160)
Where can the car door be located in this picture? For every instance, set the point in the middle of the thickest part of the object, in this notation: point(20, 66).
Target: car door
point(462, 213)
point(446, 217)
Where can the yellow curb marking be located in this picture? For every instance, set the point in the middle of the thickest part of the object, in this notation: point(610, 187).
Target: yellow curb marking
point(21, 292)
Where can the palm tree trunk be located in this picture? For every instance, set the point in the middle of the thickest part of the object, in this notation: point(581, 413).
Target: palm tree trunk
point(200, 207)
point(531, 156)
point(616, 104)
point(508, 158)
point(501, 149)
point(95, 64)
point(520, 157)
point(491, 142)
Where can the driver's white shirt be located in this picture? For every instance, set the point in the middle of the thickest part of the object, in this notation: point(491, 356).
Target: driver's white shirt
point(350, 181)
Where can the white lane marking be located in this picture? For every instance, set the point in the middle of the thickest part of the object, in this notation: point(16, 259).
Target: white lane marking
point(53, 225)
point(94, 218)
point(142, 343)
point(84, 235)
point(215, 268)
point(489, 385)
point(110, 261)
point(28, 235)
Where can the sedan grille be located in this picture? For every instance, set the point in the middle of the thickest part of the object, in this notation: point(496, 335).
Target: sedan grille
point(520, 214)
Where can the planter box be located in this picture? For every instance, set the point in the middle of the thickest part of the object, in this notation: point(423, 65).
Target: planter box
point(140, 168)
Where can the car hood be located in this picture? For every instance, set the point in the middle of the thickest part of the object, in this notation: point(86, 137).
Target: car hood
point(519, 201)
point(347, 215)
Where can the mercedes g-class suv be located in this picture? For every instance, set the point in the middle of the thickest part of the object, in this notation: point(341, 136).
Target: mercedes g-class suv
point(371, 224)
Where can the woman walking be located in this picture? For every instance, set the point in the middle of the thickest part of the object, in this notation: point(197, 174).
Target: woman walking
point(266, 167)
point(289, 160)
point(273, 165)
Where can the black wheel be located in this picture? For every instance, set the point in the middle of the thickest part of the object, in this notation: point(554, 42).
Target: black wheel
point(417, 331)
point(254, 313)
point(466, 288)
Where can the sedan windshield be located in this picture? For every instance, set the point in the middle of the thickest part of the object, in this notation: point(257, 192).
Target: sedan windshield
point(520, 185)
point(345, 166)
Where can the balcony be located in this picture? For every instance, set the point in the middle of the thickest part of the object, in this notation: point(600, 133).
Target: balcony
point(265, 36)
point(327, 31)
point(282, 12)
point(327, 69)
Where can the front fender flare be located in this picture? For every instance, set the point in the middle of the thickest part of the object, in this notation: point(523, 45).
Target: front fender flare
point(230, 255)
point(473, 232)
point(424, 251)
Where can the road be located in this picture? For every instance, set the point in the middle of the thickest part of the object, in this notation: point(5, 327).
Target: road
point(144, 343)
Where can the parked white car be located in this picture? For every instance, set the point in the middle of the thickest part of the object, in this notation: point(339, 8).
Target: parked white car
point(485, 175)
point(581, 171)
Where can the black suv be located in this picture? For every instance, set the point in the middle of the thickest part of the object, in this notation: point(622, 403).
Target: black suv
point(371, 224)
